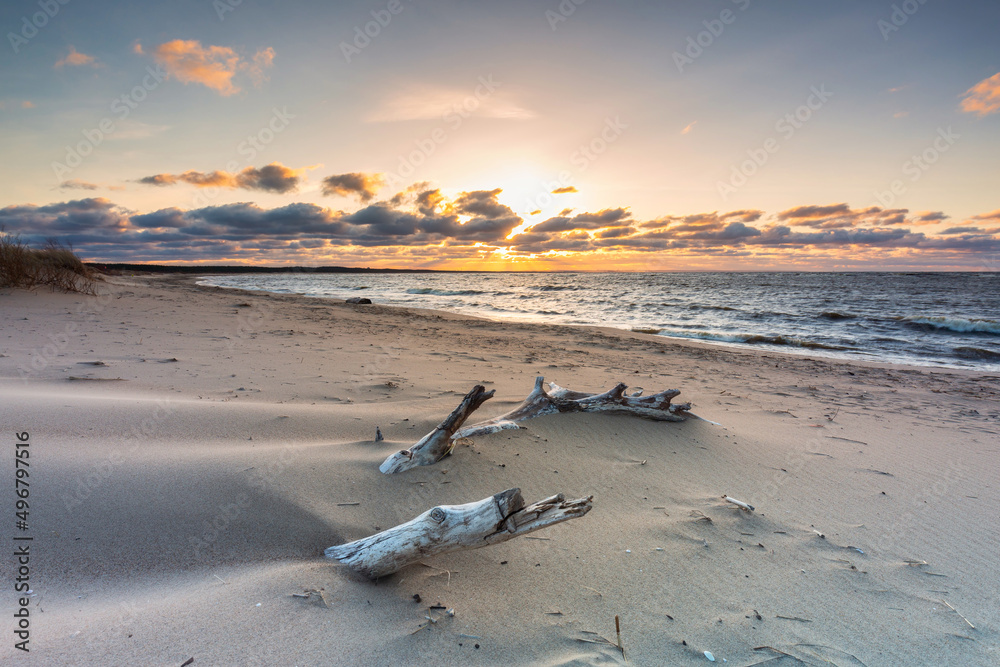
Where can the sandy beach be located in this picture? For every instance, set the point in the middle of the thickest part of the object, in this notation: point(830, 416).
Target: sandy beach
point(194, 450)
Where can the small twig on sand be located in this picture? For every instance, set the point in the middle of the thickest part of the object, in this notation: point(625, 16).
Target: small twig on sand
point(794, 618)
point(440, 570)
point(220, 578)
point(739, 503)
point(960, 614)
point(593, 589)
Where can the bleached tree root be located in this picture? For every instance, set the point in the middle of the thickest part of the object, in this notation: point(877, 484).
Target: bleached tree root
point(438, 443)
point(614, 401)
point(449, 528)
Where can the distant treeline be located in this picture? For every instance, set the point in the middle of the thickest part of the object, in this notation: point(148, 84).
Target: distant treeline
point(160, 268)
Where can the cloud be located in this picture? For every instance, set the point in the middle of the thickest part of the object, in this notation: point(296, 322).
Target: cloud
point(984, 97)
point(702, 221)
point(992, 215)
point(76, 59)
point(962, 230)
point(364, 186)
point(77, 184)
point(928, 218)
point(211, 66)
point(427, 102)
point(27, 104)
point(97, 213)
point(565, 190)
point(274, 177)
point(617, 217)
point(423, 226)
point(834, 216)
point(690, 126)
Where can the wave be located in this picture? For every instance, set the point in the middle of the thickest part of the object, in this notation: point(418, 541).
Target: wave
point(695, 306)
point(834, 315)
point(753, 339)
point(443, 292)
point(956, 324)
point(559, 288)
point(976, 354)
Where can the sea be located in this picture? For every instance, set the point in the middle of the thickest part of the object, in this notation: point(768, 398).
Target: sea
point(945, 320)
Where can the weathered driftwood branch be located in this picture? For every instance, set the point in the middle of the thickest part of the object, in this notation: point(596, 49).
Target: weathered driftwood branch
point(438, 443)
point(449, 528)
point(614, 401)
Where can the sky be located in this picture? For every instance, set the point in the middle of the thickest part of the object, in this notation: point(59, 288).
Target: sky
point(524, 135)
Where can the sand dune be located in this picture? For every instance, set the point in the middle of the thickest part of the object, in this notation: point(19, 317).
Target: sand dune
point(185, 487)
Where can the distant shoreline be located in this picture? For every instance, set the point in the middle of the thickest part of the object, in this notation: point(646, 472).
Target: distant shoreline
point(230, 269)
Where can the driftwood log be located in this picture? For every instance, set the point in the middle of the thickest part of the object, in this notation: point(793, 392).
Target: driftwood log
point(438, 443)
point(449, 528)
point(614, 401)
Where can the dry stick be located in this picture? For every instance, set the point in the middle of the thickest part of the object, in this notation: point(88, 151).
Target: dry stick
point(739, 503)
point(960, 614)
point(618, 630)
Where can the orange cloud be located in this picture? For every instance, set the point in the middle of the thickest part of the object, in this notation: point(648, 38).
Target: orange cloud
point(76, 59)
point(992, 215)
point(689, 127)
point(274, 177)
point(984, 97)
point(212, 66)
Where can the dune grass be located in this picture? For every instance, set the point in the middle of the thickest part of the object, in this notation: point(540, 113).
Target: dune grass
point(55, 265)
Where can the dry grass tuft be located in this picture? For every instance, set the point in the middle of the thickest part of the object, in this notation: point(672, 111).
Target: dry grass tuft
point(54, 265)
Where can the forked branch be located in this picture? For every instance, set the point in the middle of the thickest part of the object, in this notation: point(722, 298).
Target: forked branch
point(449, 528)
point(614, 401)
